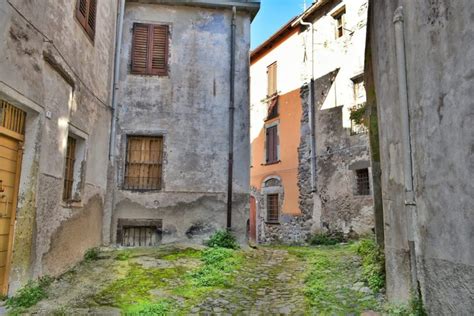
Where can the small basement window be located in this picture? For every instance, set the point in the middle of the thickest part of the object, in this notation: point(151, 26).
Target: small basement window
point(362, 182)
point(139, 232)
point(272, 208)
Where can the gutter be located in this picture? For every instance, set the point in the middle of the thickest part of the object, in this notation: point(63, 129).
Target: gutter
point(118, 47)
point(410, 203)
point(231, 121)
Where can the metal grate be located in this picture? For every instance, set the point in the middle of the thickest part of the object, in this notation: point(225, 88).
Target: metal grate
point(69, 169)
point(143, 168)
point(12, 118)
point(272, 208)
point(363, 184)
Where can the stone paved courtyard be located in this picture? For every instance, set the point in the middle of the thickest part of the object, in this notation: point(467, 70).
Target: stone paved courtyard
point(179, 280)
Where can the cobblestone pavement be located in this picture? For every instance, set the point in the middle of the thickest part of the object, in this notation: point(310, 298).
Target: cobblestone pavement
point(270, 282)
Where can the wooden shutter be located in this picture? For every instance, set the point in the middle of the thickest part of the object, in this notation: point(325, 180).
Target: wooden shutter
point(272, 78)
point(150, 49)
point(140, 48)
point(272, 144)
point(160, 50)
point(143, 169)
point(86, 12)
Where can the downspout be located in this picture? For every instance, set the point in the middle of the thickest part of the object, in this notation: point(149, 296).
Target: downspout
point(231, 121)
point(410, 203)
point(311, 112)
point(118, 46)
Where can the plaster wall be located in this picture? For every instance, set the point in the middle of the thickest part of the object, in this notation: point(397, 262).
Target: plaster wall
point(52, 70)
point(189, 108)
point(439, 52)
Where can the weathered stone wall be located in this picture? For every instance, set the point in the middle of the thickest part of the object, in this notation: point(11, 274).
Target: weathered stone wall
point(51, 69)
point(440, 73)
point(189, 108)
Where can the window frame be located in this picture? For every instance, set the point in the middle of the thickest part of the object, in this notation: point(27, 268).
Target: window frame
point(126, 186)
point(362, 180)
point(340, 17)
point(149, 71)
point(272, 76)
point(76, 172)
point(271, 216)
point(276, 144)
point(83, 19)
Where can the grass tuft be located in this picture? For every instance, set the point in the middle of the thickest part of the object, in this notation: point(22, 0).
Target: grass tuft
point(223, 239)
point(29, 295)
point(373, 263)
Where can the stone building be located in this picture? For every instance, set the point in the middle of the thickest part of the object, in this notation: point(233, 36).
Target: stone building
point(330, 191)
point(55, 83)
point(420, 83)
point(172, 133)
point(115, 124)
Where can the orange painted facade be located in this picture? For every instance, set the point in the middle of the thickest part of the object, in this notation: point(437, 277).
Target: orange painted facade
point(288, 120)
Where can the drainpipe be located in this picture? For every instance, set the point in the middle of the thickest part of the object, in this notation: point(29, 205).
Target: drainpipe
point(311, 112)
point(118, 46)
point(410, 203)
point(231, 121)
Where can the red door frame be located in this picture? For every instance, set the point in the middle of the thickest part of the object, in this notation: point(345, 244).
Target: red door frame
point(253, 219)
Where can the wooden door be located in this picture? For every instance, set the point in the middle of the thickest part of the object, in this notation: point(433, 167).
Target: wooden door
point(253, 219)
point(12, 122)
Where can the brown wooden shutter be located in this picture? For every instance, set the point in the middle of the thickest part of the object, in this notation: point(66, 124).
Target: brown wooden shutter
point(140, 48)
point(272, 144)
point(159, 58)
point(91, 17)
point(150, 49)
point(271, 80)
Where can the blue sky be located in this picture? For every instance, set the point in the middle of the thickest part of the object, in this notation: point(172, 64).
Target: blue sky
point(272, 16)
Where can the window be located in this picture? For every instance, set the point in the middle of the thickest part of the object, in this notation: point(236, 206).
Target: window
point(362, 182)
point(359, 89)
point(143, 169)
point(340, 17)
point(86, 11)
point(272, 79)
point(150, 49)
point(272, 108)
point(272, 144)
point(272, 208)
point(74, 168)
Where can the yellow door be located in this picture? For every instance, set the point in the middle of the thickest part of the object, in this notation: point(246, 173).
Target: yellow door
point(11, 143)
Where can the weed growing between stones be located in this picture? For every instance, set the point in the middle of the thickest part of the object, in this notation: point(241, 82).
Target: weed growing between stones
point(223, 239)
point(29, 295)
point(91, 254)
point(373, 263)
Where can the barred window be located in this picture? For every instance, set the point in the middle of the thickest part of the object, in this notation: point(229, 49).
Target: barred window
point(362, 182)
point(143, 169)
point(272, 208)
point(69, 169)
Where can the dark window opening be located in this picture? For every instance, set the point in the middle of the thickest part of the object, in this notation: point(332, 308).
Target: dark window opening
point(150, 49)
point(272, 109)
point(143, 168)
point(340, 18)
point(362, 182)
point(272, 208)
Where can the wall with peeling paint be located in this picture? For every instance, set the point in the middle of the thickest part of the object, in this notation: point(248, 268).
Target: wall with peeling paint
point(51, 69)
point(440, 78)
point(189, 108)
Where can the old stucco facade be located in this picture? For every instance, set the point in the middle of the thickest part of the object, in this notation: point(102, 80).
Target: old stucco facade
point(327, 198)
point(189, 108)
point(62, 77)
point(428, 239)
point(53, 71)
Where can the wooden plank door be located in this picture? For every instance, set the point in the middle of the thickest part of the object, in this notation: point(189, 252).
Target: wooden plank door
point(253, 219)
point(10, 163)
